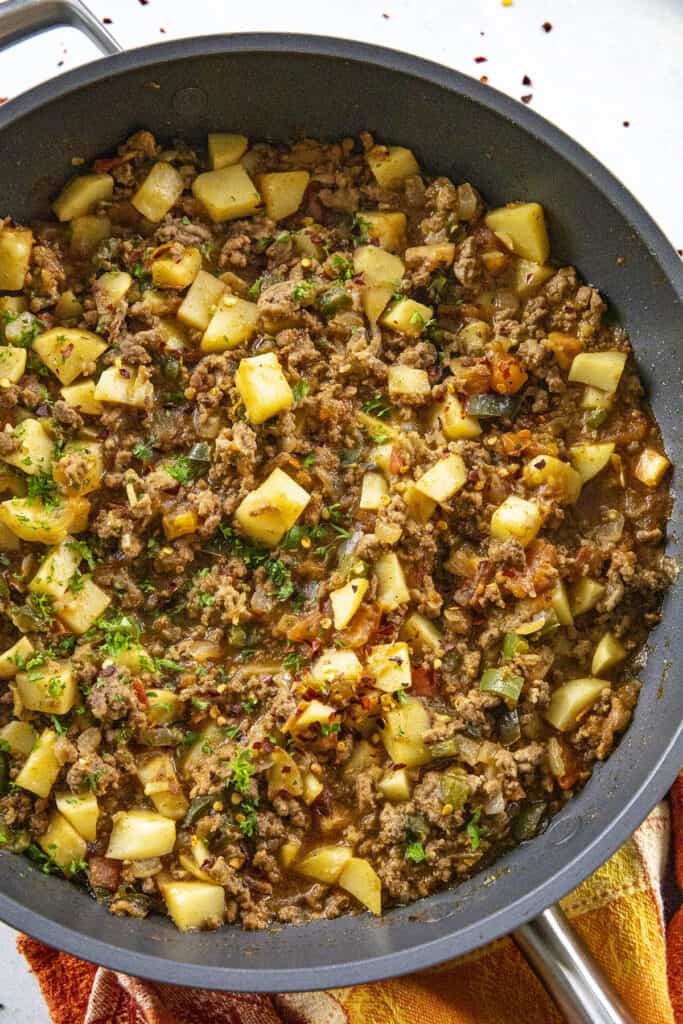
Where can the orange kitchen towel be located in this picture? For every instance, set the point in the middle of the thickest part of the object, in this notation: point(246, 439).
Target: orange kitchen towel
point(618, 911)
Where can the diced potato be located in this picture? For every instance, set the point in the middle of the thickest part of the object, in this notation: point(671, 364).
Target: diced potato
point(137, 835)
point(159, 192)
point(263, 387)
point(81, 610)
point(88, 476)
point(69, 306)
point(225, 149)
point(178, 524)
point(378, 266)
point(389, 665)
point(529, 276)
point(125, 385)
point(525, 225)
point(391, 164)
point(585, 595)
point(554, 474)
point(81, 810)
point(112, 287)
point(421, 634)
point(284, 775)
point(40, 771)
point(314, 712)
point(407, 380)
point(375, 299)
point(443, 479)
point(439, 254)
point(337, 664)
point(381, 457)
point(36, 447)
point(30, 520)
point(392, 589)
point(395, 786)
point(474, 337)
point(210, 738)
point(516, 519)
point(68, 351)
point(346, 601)
point(374, 491)
point(15, 256)
point(14, 656)
point(63, 844)
point(306, 242)
point(160, 783)
point(269, 511)
point(51, 689)
point(325, 863)
point(386, 229)
point(81, 194)
point(360, 879)
point(177, 273)
point(651, 467)
point(56, 569)
point(408, 317)
point(608, 653)
point(595, 398)
point(20, 737)
point(559, 600)
point(454, 421)
point(376, 428)
point(589, 459)
point(8, 540)
point(194, 905)
point(227, 193)
point(163, 706)
point(12, 363)
point(199, 304)
point(82, 398)
point(282, 192)
point(87, 232)
point(598, 369)
point(419, 506)
point(402, 736)
point(288, 853)
point(571, 700)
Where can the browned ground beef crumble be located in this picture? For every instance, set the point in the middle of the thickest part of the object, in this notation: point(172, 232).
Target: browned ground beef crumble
point(186, 692)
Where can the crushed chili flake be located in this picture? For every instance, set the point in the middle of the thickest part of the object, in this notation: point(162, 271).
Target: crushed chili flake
point(480, 60)
point(143, 3)
point(484, 79)
point(526, 80)
point(3, 99)
point(385, 15)
point(528, 98)
point(107, 21)
point(163, 31)
point(547, 26)
point(627, 124)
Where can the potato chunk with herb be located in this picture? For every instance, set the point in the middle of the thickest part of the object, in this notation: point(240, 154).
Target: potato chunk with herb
point(69, 351)
point(33, 520)
point(233, 322)
point(12, 363)
point(15, 255)
point(63, 844)
point(159, 192)
point(392, 164)
point(125, 385)
point(138, 834)
point(51, 688)
point(40, 770)
point(36, 447)
point(227, 193)
point(200, 303)
point(282, 192)
point(267, 513)
point(524, 225)
point(81, 194)
point(82, 812)
point(408, 317)
point(225, 148)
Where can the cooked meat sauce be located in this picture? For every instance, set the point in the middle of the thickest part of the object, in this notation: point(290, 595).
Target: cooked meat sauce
point(331, 532)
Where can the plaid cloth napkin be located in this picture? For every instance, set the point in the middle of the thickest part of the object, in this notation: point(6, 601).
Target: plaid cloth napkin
point(619, 911)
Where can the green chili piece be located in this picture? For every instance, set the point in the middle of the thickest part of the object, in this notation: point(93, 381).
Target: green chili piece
point(508, 687)
point(333, 300)
point(528, 820)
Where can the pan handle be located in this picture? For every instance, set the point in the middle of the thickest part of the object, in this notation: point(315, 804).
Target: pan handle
point(20, 19)
point(569, 972)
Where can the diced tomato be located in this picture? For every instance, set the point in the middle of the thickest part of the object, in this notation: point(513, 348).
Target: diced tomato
point(424, 681)
point(140, 691)
point(507, 375)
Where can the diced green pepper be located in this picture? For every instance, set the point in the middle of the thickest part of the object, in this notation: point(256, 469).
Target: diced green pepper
point(596, 417)
point(494, 681)
point(454, 788)
point(417, 827)
point(199, 808)
point(333, 300)
point(443, 749)
point(513, 644)
point(509, 729)
point(528, 820)
point(491, 406)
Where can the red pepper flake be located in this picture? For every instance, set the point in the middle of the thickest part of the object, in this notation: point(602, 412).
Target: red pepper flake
point(547, 26)
point(385, 16)
point(526, 80)
point(3, 99)
point(163, 31)
point(528, 98)
point(107, 21)
point(627, 124)
point(484, 79)
point(480, 60)
point(143, 3)
point(680, 252)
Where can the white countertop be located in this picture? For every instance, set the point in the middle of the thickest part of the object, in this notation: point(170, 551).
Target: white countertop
point(602, 64)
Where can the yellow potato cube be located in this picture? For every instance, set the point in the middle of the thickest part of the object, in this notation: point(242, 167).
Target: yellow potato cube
point(651, 467)
point(112, 287)
point(36, 447)
point(282, 192)
point(325, 863)
point(82, 397)
point(313, 712)
point(559, 601)
point(30, 520)
point(81, 810)
point(12, 363)
point(177, 273)
point(389, 665)
point(337, 664)
point(572, 700)
point(69, 306)
point(450, 416)
point(599, 369)
point(87, 232)
point(374, 491)
point(15, 255)
point(199, 304)
point(585, 595)
point(69, 351)
point(590, 459)
point(391, 164)
point(378, 266)
point(444, 479)
point(39, 773)
point(313, 787)
point(386, 228)
point(608, 653)
point(360, 879)
point(55, 571)
point(20, 737)
point(524, 223)
point(81, 194)
point(177, 524)
point(225, 149)
point(419, 506)
point(160, 783)
point(163, 706)
point(263, 387)
point(174, 336)
point(125, 385)
point(529, 276)
point(8, 540)
point(346, 601)
point(408, 317)
point(159, 192)
point(306, 242)
point(395, 786)
point(516, 519)
point(51, 689)
point(439, 254)
point(81, 610)
point(375, 298)
point(63, 844)
point(407, 380)
point(194, 905)
point(227, 193)
point(284, 774)
point(267, 513)
point(402, 735)
point(139, 834)
point(83, 476)
point(594, 398)
point(421, 634)
point(233, 323)
point(392, 589)
point(14, 656)
point(558, 476)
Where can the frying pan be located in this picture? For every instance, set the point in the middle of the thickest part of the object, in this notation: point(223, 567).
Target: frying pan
point(276, 86)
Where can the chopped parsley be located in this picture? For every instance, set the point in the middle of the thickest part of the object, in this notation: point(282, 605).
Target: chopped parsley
point(309, 460)
point(84, 551)
point(415, 853)
point(300, 390)
point(473, 830)
point(241, 770)
point(143, 451)
point(41, 487)
point(246, 819)
point(377, 406)
point(343, 266)
point(181, 469)
point(121, 632)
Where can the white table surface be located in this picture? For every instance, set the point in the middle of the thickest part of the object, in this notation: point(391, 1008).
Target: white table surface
point(605, 62)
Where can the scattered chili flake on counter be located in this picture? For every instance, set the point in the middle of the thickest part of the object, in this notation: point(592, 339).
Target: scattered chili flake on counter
point(626, 124)
point(527, 98)
point(526, 80)
point(480, 60)
point(547, 26)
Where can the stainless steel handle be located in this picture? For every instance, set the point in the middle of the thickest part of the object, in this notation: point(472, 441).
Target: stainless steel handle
point(20, 19)
point(569, 972)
